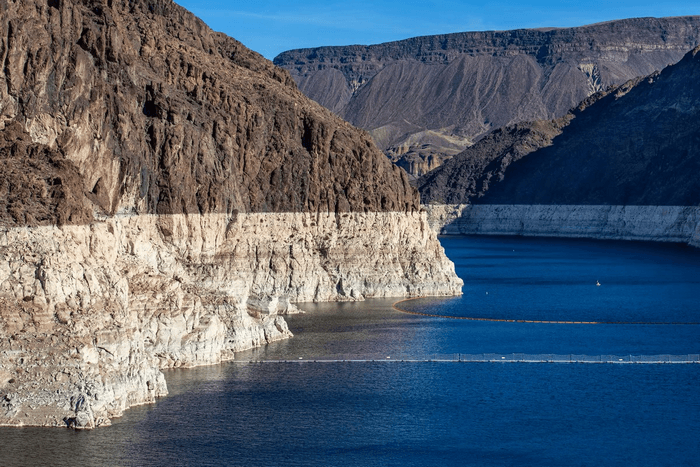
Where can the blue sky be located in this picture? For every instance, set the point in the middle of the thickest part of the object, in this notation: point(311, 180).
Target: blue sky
point(273, 26)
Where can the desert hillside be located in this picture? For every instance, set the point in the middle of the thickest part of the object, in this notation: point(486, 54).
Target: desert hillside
point(427, 98)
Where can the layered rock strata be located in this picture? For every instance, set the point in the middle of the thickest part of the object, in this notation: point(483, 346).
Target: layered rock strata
point(649, 223)
point(425, 99)
point(167, 194)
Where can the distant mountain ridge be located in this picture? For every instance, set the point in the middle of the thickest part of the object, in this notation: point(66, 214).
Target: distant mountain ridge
point(427, 98)
point(636, 145)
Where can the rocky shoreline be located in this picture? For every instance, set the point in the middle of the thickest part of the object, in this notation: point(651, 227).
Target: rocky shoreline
point(90, 314)
point(166, 194)
point(648, 223)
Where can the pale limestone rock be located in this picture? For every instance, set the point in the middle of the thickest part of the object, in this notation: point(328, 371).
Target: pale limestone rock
point(651, 223)
point(89, 314)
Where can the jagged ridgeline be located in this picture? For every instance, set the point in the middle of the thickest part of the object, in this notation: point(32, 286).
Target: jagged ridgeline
point(427, 98)
point(165, 195)
point(158, 114)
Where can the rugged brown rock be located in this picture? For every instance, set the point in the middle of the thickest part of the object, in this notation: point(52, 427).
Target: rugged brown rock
point(165, 194)
point(427, 98)
point(161, 115)
point(38, 185)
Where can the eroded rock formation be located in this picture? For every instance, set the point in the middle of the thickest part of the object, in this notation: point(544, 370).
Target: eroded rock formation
point(166, 195)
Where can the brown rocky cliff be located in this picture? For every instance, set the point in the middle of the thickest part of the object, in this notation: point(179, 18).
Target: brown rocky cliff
point(161, 115)
point(165, 193)
point(38, 185)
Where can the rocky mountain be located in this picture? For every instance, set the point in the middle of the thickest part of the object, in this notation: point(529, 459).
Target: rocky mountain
point(635, 146)
point(166, 194)
point(427, 98)
point(467, 177)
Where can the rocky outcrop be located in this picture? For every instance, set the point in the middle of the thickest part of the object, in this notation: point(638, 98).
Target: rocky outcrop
point(167, 194)
point(90, 313)
point(649, 223)
point(430, 97)
point(161, 115)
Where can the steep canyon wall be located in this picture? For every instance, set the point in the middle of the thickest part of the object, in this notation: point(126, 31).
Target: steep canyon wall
point(165, 195)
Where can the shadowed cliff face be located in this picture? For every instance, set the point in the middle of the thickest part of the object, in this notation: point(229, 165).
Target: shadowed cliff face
point(634, 145)
point(468, 175)
point(158, 114)
point(427, 98)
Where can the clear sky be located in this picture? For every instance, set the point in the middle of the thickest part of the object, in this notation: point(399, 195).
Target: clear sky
point(273, 26)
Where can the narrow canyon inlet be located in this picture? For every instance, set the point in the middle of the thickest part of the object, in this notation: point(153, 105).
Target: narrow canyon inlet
point(385, 411)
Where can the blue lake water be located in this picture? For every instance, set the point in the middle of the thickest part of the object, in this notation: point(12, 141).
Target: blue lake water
point(434, 413)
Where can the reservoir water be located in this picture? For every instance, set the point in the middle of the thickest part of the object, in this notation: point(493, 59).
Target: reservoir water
point(389, 412)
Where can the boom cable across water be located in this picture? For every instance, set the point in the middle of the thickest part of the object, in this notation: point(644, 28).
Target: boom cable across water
point(505, 320)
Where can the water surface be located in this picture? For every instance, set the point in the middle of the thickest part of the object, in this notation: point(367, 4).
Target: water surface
point(425, 414)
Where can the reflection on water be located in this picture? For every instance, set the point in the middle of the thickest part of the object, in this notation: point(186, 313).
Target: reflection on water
point(439, 413)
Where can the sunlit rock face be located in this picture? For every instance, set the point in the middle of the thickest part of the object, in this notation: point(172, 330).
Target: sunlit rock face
point(167, 195)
